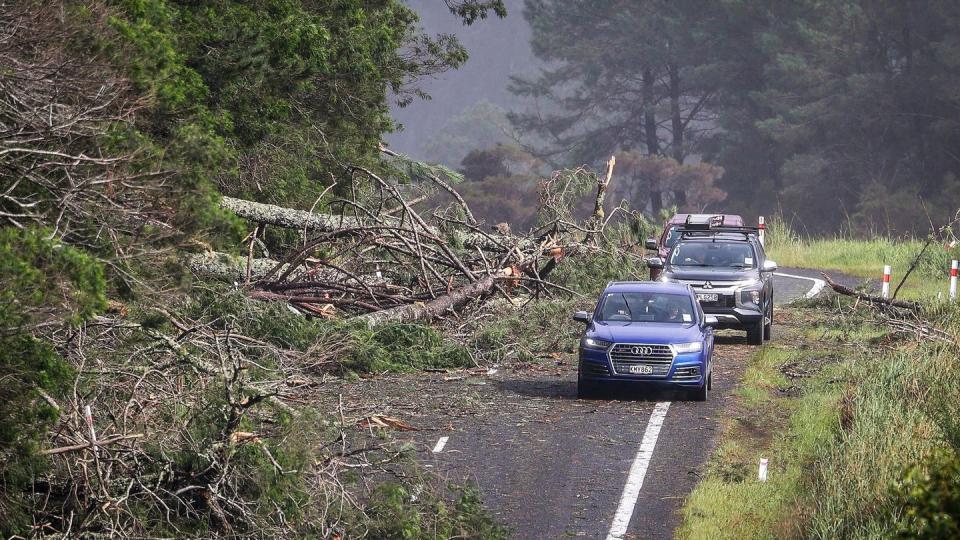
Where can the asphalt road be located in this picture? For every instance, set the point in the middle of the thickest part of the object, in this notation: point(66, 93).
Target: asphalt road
point(552, 466)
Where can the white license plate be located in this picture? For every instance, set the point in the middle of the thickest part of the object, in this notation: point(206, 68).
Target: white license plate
point(640, 370)
point(708, 297)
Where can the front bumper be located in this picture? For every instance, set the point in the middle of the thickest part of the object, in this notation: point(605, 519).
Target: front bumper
point(733, 317)
point(688, 370)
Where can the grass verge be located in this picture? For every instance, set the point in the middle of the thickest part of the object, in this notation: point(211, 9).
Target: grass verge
point(865, 258)
point(854, 422)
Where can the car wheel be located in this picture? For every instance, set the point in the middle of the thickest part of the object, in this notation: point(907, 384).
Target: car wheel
point(768, 327)
point(702, 393)
point(755, 333)
point(585, 390)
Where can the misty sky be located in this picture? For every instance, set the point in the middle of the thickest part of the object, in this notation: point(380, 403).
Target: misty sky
point(498, 49)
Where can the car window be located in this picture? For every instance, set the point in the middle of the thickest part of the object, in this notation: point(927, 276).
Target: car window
point(672, 236)
point(714, 254)
point(647, 307)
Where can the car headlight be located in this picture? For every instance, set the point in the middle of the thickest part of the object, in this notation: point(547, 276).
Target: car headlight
point(681, 348)
point(750, 296)
point(595, 343)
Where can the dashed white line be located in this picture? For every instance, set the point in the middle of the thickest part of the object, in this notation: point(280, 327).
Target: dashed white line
point(621, 520)
point(440, 444)
point(818, 284)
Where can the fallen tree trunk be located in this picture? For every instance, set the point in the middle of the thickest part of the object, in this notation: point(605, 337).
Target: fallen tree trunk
point(847, 291)
point(225, 267)
point(290, 218)
point(433, 309)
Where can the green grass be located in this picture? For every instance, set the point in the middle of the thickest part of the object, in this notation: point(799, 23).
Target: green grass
point(865, 258)
point(769, 423)
point(867, 408)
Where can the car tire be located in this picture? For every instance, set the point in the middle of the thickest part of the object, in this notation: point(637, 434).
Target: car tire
point(755, 333)
point(585, 390)
point(702, 393)
point(768, 327)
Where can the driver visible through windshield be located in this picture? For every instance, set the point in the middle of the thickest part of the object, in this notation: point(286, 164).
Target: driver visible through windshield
point(647, 307)
point(725, 255)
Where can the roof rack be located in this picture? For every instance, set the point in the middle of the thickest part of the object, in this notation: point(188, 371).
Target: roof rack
point(708, 232)
point(705, 221)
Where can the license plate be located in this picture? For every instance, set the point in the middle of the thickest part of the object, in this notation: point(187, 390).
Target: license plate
point(708, 297)
point(640, 370)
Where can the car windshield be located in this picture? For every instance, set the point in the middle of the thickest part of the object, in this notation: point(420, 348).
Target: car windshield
point(647, 307)
point(717, 254)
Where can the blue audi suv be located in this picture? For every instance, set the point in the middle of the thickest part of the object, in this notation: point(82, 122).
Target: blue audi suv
point(648, 334)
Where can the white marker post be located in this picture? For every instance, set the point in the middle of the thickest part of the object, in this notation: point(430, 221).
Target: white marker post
point(885, 287)
point(762, 473)
point(763, 227)
point(953, 280)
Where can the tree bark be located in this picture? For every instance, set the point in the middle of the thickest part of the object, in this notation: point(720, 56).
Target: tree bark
point(679, 196)
point(434, 308)
point(847, 291)
point(652, 139)
point(227, 267)
point(290, 218)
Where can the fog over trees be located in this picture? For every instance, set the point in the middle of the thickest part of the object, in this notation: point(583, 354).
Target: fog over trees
point(839, 115)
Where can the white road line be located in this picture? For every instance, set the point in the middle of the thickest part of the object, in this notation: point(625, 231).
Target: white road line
point(621, 520)
point(440, 444)
point(818, 284)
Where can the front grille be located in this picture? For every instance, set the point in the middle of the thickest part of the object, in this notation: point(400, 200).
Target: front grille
point(658, 357)
point(686, 374)
point(724, 301)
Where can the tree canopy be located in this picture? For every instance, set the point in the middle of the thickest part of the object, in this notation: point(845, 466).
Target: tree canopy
point(840, 114)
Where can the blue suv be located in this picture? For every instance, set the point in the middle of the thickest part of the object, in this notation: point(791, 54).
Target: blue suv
point(646, 334)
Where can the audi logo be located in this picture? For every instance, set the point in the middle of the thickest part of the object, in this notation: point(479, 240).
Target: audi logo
point(642, 351)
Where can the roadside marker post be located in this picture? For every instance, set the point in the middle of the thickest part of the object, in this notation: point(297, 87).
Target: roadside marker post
point(763, 229)
point(762, 473)
point(953, 280)
point(885, 287)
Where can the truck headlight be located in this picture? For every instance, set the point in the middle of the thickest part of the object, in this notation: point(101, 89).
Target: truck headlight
point(749, 295)
point(595, 343)
point(681, 348)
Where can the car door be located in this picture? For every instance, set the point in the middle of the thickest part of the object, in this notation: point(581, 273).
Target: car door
point(707, 331)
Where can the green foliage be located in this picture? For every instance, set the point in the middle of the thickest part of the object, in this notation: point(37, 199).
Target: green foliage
point(42, 281)
point(931, 508)
point(865, 258)
point(398, 514)
point(402, 347)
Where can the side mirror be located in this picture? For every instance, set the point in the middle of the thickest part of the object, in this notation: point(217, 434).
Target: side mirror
point(654, 262)
point(651, 243)
point(581, 316)
point(711, 321)
point(768, 266)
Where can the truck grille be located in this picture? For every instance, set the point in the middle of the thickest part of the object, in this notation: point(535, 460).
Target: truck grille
point(722, 301)
point(658, 357)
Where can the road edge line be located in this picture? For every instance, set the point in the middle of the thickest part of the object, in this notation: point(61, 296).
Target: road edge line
point(818, 284)
point(631, 490)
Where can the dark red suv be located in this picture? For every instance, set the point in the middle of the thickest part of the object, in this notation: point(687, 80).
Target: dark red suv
point(670, 235)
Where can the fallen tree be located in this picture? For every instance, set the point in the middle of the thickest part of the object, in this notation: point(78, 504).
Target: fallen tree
point(398, 265)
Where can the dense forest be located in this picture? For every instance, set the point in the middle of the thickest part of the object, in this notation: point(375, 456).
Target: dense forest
point(841, 116)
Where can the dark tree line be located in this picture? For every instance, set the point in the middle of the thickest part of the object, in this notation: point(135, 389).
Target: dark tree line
point(838, 114)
